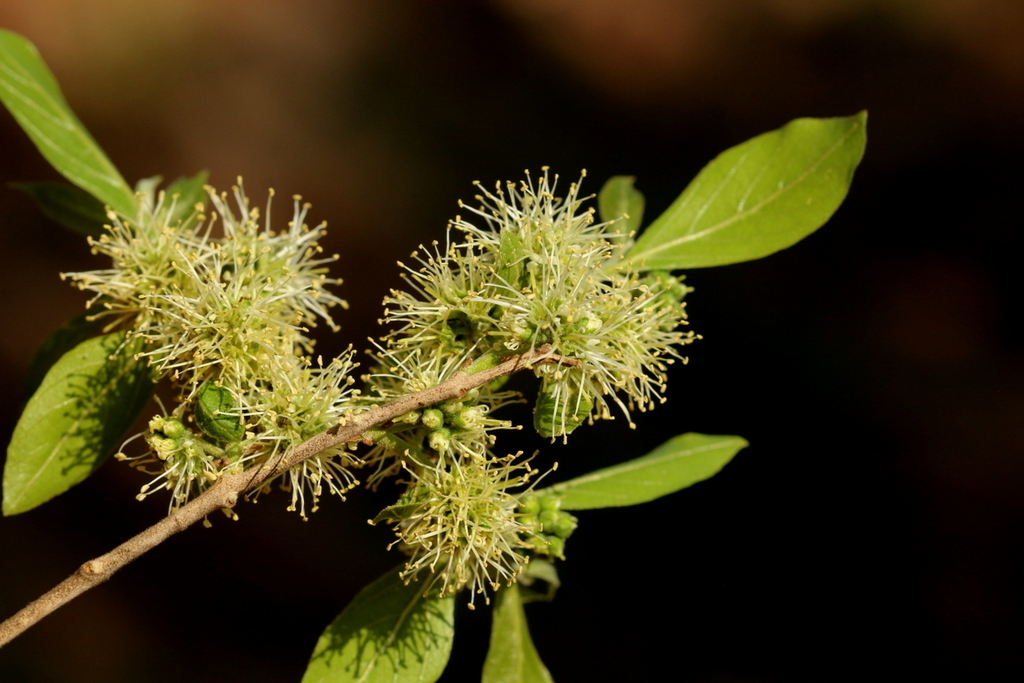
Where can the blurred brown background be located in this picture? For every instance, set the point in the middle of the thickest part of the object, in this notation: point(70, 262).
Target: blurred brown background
point(874, 527)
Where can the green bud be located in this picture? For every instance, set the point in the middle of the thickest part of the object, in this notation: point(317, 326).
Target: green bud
point(433, 418)
point(162, 446)
point(547, 518)
point(211, 404)
point(549, 502)
point(412, 417)
point(451, 406)
point(529, 505)
point(173, 428)
point(440, 439)
point(535, 542)
point(556, 547)
point(564, 525)
point(666, 289)
point(470, 418)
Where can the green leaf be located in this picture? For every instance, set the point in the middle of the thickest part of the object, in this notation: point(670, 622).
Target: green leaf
point(512, 658)
point(674, 465)
point(186, 193)
point(619, 198)
point(81, 410)
point(66, 337)
point(758, 197)
point(32, 95)
point(389, 633)
point(66, 204)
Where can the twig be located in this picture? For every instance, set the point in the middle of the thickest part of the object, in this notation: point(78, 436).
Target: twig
point(225, 493)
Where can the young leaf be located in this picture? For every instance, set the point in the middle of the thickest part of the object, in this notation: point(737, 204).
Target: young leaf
point(73, 208)
point(186, 193)
point(66, 337)
point(183, 194)
point(538, 570)
point(758, 197)
point(389, 633)
point(560, 410)
point(31, 94)
point(216, 413)
point(676, 464)
point(510, 253)
point(512, 658)
point(79, 413)
point(146, 190)
point(619, 198)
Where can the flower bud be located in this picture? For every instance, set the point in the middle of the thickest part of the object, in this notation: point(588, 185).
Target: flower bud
point(547, 518)
point(451, 406)
point(529, 504)
point(550, 502)
point(433, 418)
point(174, 429)
point(556, 547)
point(440, 439)
point(564, 525)
point(470, 418)
point(412, 417)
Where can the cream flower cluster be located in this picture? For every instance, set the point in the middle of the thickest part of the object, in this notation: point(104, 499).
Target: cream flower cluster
point(223, 304)
point(525, 271)
point(459, 522)
point(537, 270)
point(225, 316)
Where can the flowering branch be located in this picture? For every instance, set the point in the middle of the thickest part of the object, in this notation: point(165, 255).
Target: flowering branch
point(225, 493)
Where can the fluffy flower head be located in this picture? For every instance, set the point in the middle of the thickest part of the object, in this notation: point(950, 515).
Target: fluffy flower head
point(528, 268)
point(225, 316)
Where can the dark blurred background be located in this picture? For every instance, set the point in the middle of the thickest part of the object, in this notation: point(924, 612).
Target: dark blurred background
point(873, 529)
